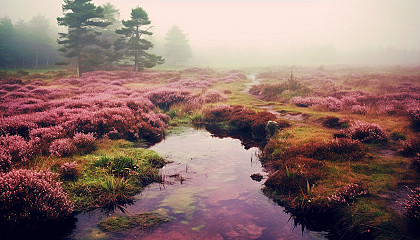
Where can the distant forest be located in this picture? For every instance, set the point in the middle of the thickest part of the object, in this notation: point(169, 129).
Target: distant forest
point(29, 44)
point(94, 38)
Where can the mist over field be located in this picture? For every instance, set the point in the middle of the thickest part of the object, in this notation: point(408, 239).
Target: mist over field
point(259, 33)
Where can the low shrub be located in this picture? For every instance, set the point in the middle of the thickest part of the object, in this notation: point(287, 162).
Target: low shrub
point(61, 147)
point(213, 96)
point(359, 109)
point(164, 98)
point(30, 196)
point(334, 122)
point(416, 162)
point(346, 195)
point(14, 149)
point(69, 171)
point(412, 206)
point(366, 132)
point(409, 148)
point(241, 119)
point(84, 141)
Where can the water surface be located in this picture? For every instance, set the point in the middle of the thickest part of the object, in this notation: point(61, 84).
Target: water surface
point(216, 198)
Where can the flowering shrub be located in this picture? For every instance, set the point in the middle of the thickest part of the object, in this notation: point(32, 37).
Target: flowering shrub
point(358, 109)
point(302, 102)
point(14, 149)
point(347, 194)
point(166, 97)
point(84, 141)
point(330, 103)
point(69, 170)
point(413, 110)
point(41, 138)
point(242, 119)
point(61, 147)
point(27, 195)
point(412, 206)
point(409, 148)
point(366, 132)
point(212, 96)
point(416, 162)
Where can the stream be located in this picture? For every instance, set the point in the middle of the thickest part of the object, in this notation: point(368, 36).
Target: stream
point(216, 199)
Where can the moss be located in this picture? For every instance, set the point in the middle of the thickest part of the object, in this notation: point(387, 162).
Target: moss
point(139, 221)
point(112, 176)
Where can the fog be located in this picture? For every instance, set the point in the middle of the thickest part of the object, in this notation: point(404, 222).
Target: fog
point(255, 32)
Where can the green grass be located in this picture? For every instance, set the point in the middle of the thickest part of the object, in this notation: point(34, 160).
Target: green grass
point(113, 174)
point(139, 221)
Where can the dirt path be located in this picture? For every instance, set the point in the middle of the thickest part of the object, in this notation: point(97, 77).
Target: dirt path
point(285, 115)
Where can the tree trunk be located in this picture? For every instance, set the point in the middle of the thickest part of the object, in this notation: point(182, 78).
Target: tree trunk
point(37, 55)
point(79, 63)
point(135, 63)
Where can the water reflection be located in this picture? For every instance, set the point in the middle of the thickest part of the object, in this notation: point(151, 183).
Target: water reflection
point(207, 193)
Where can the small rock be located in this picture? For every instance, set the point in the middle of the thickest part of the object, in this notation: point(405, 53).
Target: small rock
point(257, 177)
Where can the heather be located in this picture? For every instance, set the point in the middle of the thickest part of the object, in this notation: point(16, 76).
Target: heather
point(240, 119)
point(337, 147)
point(335, 169)
point(32, 196)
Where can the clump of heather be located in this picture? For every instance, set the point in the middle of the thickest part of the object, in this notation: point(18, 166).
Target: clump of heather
point(164, 98)
point(412, 206)
point(346, 195)
point(302, 102)
point(413, 110)
point(366, 132)
point(84, 141)
point(240, 119)
point(61, 147)
point(42, 137)
point(31, 196)
point(358, 109)
point(69, 170)
point(409, 148)
point(14, 149)
point(416, 162)
point(212, 96)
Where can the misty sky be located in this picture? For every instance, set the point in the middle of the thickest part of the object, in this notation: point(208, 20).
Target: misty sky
point(263, 24)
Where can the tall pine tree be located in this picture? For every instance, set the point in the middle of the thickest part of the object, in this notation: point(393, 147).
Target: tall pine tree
point(83, 20)
point(136, 46)
point(177, 48)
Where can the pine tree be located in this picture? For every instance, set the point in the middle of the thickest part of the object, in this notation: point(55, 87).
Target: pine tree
point(83, 20)
point(136, 45)
point(177, 48)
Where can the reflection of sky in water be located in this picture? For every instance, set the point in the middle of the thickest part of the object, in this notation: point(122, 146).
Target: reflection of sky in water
point(218, 199)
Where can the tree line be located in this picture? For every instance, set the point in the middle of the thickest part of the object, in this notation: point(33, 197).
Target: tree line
point(95, 39)
point(27, 44)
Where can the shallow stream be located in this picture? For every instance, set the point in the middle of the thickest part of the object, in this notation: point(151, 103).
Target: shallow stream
point(216, 199)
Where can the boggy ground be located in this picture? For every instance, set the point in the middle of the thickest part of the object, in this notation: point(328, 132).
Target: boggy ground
point(347, 167)
point(341, 146)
